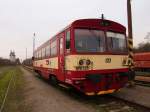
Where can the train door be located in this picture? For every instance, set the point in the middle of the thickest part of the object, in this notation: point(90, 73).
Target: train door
point(61, 58)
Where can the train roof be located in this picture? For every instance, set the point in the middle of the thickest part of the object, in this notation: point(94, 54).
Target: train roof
point(97, 23)
point(88, 23)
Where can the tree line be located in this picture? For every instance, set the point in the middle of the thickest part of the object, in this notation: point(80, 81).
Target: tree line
point(142, 47)
point(4, 61)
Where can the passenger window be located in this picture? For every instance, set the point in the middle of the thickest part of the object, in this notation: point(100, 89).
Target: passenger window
point(43, 52)
point(40, 54)
point(68, 40)
point(36, 56)
point(54, 48)
point(48, 51)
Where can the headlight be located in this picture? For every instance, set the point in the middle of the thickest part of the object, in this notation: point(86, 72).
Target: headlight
point(88, 62)
point(85, 62)
point(81, 62)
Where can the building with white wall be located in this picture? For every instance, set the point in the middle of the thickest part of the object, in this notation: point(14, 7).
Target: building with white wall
point(12, 56)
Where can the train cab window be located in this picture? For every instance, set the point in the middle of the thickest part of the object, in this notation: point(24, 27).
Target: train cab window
point(68, 41)
point(87, 40)
point(116, 42)
point(61, 45)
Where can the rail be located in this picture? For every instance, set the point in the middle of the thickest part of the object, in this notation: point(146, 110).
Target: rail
point(142, 81)
point(28, 67)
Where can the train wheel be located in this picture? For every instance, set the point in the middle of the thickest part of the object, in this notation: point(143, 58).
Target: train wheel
point(39, 73)
point(53, 80)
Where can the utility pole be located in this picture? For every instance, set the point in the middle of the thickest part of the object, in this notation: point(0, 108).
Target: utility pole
point(26, 53)
point(33, 43)
point(130, 44)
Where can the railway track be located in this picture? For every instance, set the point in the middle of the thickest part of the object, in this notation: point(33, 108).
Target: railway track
point(142, 81)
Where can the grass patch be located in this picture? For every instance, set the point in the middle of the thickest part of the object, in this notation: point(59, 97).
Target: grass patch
point(4, 80)
point(15, 99)
point(4, 70)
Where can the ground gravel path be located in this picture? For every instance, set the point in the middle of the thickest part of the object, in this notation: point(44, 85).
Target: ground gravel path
point(42, 97)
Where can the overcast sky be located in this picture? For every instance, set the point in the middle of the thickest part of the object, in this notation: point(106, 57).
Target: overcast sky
point(19, 19)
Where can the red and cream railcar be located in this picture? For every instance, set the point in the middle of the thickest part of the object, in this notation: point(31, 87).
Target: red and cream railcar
point(90, 55)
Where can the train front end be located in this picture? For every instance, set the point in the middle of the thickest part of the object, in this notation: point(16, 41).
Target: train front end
point(98, 63)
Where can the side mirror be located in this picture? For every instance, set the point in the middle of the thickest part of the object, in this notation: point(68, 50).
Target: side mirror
point(33, 58)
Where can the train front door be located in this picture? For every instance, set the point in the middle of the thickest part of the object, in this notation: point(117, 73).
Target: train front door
point(61, 58)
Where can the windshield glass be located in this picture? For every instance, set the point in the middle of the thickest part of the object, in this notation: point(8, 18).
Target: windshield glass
point(116, 42)
point(87, 40)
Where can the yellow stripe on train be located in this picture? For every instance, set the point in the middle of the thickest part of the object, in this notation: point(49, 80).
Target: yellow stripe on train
point(98, 62)
point(47, 63)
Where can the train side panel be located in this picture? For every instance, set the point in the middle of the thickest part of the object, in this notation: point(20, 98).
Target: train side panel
point(142, 61)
